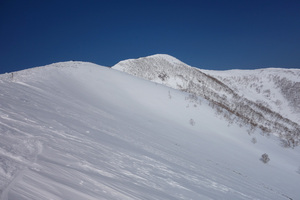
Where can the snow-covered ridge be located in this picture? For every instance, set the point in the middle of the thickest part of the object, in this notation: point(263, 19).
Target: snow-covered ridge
point(156, 59)
point(293, 74)
point(89, 132)
point(38, 73)
point(271, 103)
point(278, 89)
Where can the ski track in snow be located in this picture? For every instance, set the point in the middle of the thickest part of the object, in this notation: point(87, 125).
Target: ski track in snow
point(96, 133)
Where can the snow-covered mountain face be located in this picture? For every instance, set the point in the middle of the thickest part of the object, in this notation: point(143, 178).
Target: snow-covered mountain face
point(267, 99)
point(277, 89)
point(77, 130)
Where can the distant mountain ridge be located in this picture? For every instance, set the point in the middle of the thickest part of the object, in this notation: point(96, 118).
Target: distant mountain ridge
point(267, 99)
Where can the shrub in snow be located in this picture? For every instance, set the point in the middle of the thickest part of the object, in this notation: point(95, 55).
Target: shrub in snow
point(265, 158)
point(253, 140)
point(192, 122)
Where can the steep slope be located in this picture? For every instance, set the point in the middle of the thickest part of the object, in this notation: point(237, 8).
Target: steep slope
point(277, 115)
point(80, 131)
point(277, 89)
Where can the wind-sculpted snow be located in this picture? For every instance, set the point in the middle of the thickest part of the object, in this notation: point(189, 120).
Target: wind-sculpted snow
point(77, 130)
point(265, 99)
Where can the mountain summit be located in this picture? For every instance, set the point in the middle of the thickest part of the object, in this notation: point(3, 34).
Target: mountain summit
point(160, 68)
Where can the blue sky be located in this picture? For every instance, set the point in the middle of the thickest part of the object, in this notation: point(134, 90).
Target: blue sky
point(210, 34)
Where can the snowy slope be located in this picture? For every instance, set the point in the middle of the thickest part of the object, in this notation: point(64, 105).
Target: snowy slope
point(266, 99)
point(77, 130)
point(278, 89)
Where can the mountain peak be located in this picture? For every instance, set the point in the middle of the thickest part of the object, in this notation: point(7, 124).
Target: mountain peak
point(153, 60)
point(166, 57)
point(160, 68)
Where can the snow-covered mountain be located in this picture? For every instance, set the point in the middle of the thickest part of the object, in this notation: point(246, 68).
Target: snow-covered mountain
point(77, 130)
point(277, 89)
point(268, 99)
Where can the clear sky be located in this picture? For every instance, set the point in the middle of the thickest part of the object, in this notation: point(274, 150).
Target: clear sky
point(209, 34)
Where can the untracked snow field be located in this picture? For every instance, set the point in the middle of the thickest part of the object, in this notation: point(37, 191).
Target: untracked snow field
point(77, 130)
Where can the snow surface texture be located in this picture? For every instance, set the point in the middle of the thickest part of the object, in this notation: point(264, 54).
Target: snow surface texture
point(268, 99)
point(77, 130)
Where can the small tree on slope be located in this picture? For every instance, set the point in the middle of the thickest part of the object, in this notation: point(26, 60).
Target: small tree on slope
point(265, 158)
